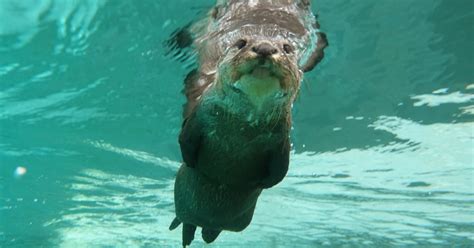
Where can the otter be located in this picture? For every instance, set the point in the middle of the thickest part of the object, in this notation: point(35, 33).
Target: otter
point(235, 135)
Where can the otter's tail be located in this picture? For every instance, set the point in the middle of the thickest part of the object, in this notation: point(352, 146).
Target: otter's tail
point(175, 223)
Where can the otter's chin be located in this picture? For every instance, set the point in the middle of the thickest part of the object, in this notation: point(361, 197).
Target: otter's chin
point(261, 86)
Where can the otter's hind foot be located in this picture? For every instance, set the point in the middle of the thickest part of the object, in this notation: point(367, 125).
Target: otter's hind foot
point(209, 235)
point(188, 233)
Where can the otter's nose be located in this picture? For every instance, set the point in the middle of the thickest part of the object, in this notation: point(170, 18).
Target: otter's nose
point(264, 49)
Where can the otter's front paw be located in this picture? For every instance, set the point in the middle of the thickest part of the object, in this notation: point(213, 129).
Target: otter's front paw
point(190, 141)
point(268, 182)
point(277, 166)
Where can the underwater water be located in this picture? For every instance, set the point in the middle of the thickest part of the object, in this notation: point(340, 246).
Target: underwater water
point(90, 111)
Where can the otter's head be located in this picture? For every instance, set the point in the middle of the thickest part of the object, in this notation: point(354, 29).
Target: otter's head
point(260, 72)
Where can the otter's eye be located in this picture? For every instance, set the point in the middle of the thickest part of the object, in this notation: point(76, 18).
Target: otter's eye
point(241, 43)
point(287, 48)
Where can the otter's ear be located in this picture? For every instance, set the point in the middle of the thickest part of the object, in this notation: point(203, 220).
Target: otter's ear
point(304, 4)
point(217, 11)
point(318, 53)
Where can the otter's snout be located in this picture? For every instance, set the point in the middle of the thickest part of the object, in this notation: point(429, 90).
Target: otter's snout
point(264, 49)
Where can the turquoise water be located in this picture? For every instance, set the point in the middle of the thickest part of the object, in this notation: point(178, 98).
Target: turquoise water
point(90, 111)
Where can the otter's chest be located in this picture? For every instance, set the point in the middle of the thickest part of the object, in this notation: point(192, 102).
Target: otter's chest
point(239, 141)
point(234, 151)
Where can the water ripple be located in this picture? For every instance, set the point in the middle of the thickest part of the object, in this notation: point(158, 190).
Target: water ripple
point(30, 107)
point(137, 155)
point(73, 20)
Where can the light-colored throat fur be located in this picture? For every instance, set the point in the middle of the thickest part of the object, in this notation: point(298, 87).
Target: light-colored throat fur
point(259, 87)
point(260, 103)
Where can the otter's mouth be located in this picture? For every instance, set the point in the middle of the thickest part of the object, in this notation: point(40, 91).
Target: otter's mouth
point(260, 68)
point(259, 79)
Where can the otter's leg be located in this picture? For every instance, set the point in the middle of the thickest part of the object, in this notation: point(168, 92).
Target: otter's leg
point(277, 166)
point(190, 140)
point(180, 39)
point(188, 233)
point(209, 235)
point(318, 53)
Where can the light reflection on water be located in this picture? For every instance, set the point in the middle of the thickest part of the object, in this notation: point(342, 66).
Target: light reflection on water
point(383, 137)
point(354, 197)
point(73, 21)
